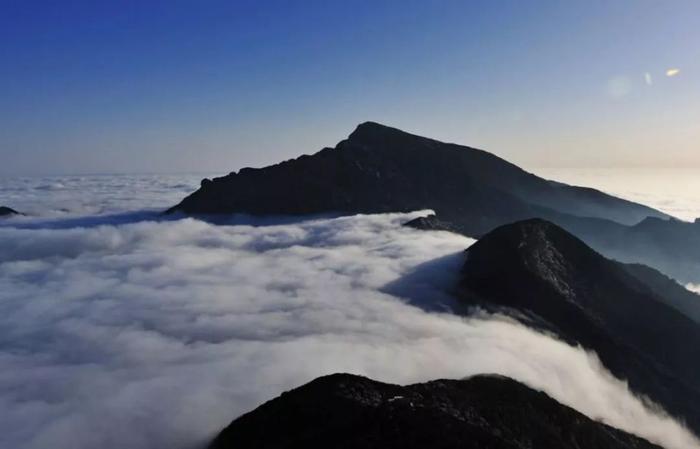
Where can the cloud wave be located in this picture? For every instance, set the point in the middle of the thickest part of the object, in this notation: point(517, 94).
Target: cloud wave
point(157, 334)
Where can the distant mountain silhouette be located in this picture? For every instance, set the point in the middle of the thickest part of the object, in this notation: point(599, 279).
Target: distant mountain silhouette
point(352, 412)
point(672, 293)
point(382, 169)
point(641, 326)
point(6, 211)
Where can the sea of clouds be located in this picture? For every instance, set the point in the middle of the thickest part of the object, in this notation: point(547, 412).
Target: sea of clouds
point(119, 328)
point(157, 333)
point(675, 191)
point(85, 195)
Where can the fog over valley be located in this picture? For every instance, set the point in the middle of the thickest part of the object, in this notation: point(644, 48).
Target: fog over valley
point(158, 333)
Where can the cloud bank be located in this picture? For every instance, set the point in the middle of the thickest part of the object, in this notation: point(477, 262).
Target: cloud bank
point(157, 334)
point(80, 195)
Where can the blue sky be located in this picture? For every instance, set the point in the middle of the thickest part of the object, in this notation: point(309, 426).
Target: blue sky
point(182, 86)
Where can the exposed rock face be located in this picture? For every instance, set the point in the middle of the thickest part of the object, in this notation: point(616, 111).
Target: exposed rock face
point(6, 211)
point(641, 328)
point(346, 411)
point(382, 169)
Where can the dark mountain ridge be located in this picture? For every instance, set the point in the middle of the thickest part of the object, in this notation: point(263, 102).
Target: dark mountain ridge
point(672, 293)
point(7, 211)
point(353, 412)
point(382, 169)
point(641, 328)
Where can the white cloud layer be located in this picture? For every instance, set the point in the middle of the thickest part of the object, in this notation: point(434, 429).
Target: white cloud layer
point(153, 335)
point(80, 195)
point(693, 288)
point(671, 190)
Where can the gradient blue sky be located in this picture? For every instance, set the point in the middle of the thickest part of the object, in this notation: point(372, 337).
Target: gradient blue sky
point(182, 86)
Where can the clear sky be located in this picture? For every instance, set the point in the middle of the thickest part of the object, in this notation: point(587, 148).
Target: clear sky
point(212, 86)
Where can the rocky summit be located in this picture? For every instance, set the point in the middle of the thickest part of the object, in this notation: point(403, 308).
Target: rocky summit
point(352, 412)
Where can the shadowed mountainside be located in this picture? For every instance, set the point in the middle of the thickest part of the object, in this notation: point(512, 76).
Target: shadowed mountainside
point(347, 411)
point(642, 329)
point(673, 293)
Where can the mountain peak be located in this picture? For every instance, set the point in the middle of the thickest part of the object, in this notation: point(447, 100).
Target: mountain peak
point(384, 169)
point(378, 134)
point(541, 247)
point(538, 256)
point(370, 126)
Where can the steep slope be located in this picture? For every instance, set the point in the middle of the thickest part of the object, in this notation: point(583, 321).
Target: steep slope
point(668, 289)
point(552, 280)
point(346, 411)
